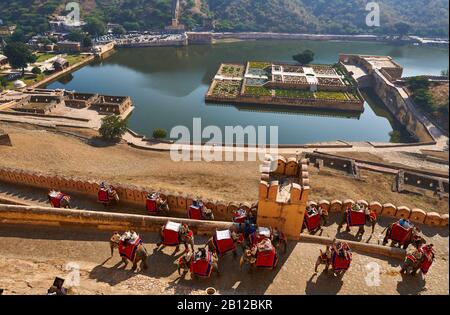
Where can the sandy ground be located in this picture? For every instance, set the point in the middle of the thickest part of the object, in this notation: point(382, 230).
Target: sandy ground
point(56, 154)
point(52, 153)
point(31, 258)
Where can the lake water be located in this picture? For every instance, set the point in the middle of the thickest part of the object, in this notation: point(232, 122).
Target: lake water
point(168, 85)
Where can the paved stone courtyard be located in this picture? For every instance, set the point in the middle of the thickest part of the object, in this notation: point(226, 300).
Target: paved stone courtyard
point(30, 258)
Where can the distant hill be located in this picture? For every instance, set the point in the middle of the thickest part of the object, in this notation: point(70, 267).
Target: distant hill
point(420, 17)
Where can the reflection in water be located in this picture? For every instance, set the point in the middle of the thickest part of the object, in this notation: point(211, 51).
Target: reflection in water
point(66, 79)
point(399, 132)
point(288, 110)
point(168, 87)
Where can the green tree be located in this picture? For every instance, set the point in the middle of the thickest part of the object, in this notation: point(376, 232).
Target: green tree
point(119, 30)
point(402, 28)
point(76, 36)
point(36, 70)
point(444, 72)
point(305, 57)
point(95, 26)
point(17, 36)
point(159, 133)
point(19, 55)
point(87, 42)
point(113, 127)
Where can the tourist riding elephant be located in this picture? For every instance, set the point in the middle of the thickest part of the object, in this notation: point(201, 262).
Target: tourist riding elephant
point(140, 254)
point(185, 236)
point(184, 263)
point(413, 237)
point(370, 216)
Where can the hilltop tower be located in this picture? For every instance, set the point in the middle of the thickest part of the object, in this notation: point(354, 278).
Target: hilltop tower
point(283, 194)
point(175, 26)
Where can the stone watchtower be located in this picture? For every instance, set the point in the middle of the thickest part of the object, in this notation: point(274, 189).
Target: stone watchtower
point(283, 194)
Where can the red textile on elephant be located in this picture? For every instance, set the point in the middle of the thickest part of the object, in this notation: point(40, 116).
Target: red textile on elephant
point(55, 200)
point(267, 259)
point(223, 242)
point(202, 267)
point(426, 266)
point(151, 206)
point(340, 263)
point(399, 233)
point(171, 234)
point(266, 256)
point(428, 261)
point(103, 196)
point(312, 222)
point(356, 218)
point(195, 213)
point(129, 250)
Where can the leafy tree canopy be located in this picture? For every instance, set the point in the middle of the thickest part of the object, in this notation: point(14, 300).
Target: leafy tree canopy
point(113, 127)
point(19, 55)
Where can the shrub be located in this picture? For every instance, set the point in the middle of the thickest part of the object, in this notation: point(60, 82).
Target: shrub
point(423, 97)
point(159, 133)
point(36, 70)
point(113, 127)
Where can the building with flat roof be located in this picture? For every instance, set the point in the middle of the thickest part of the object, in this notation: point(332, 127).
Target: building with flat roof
point(69, 47)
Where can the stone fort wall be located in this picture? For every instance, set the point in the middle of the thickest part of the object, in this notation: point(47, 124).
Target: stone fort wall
point(285, 214)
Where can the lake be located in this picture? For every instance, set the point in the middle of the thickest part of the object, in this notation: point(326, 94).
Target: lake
point(168, 85)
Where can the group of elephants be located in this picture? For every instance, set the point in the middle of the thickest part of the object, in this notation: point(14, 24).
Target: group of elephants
point(239, 238)
point(421, 254)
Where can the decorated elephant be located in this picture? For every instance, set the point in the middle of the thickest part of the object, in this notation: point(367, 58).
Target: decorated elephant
point(107, 195)
point(198, 211)
point(419, 259)
point(358, 215)
point(58, 199)
point(262, 255)
point(131, 248)
point(338, 256)
point(156, 204)
point(403, 233)
point(200, 264)
point(174, 234)
point(224, 242)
